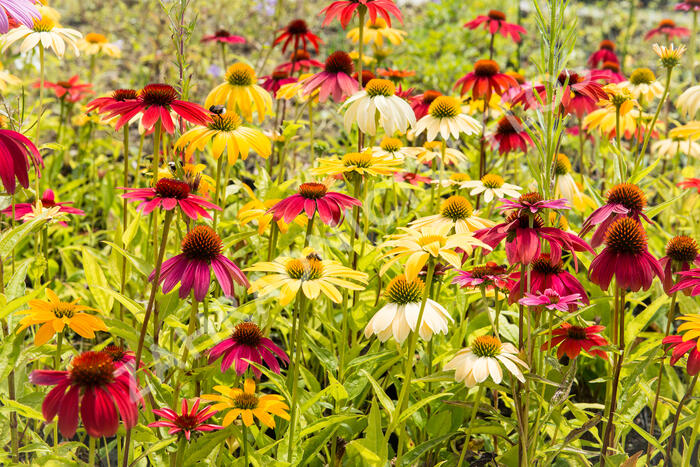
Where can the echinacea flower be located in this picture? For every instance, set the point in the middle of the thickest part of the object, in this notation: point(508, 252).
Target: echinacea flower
point(483, 358)
point(546, 274)
point(667, 28)
point(551, 300)
point(297, 33)
point(510, 135)
point(445, 118)
point(364, 163)
point(344, 10)
point(670, 147)
point(258, 211)
point(688, 280)
point(44, 31)
point(119, 95)
point(94, 43)
point(566, 186)
point(156, 102)
point(670, 56)
point(421, 103)
point(223, 36)
point(688, 102)
point(200, 253)
point(55, 314)
point(485, 80)
point(377, 103)
point(605, 53)
point(690, 183)
point(391, 148)
point(411, 178)
point(570, 340)
point(432, 150)
point(376, 32)
point(274, 81)
point(532, 203)
point(490, 275)
point(681, 346)
point(240, 93)
point(16, 152)
point(247, 343)
point(335, 80)
point(246, 404)
point(168, 194)
point(188, 421)
point(491, 186)
point(612, 71)
point(48, 200)
point(687, 5)
point(456, 212)
point(120, 356)
point(22, 11)
point(199, 182)
point(495, 22)
point(400, 315)
point(625, 257)
point(418, 245)
point(226, 132)
point(643, 85)
point(299, 60)
point(94, 387)
point(71, 91)
point(310, 274)
point(314, 198)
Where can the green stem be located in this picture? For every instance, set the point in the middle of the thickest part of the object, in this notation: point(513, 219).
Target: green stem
point(475, 409)
point(91, 454)
point(59, 342)
point(361, 16)
point(691, 48)
point(688, 453)
point(125, 218)
point(309, 230)
point(180, 453)
point(298, 344)
point(670, 443)
point(217, 188)
point(650, 126)
point(245, 445)
point(14, 443)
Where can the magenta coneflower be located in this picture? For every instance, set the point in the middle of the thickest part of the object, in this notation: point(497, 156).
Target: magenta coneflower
point(248, 343)
point(71, 91)
point(551, 300)
point(187, 421)
point(490, 275)
point(625, 199)
point(120, 356)
point(335, 79)
point(314, 198)
point(273, 82)
point(344, 10)
point(545, 274)
point(222, 36)
point(299, 60)
point(689, 280)
point(169, 194)
point(485, 80)
point(681, 253)
point(510, 135)
point(16, 151)
point(533, 203)
point(688, 5)
point(681, 347)
point(421, 103)
point(626, 258)
point(572, 339)
point(21, 11)
point(612, 72)
point(155, 102)
point(605, 53)
point(495, 22)
point(668, 28)
point(201, 252)
point(48, 200)
point(297, 33)
point(119, 95)
point(94, 386)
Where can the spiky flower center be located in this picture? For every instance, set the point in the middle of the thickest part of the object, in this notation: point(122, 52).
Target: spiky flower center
point(667, 23)
point(312, 190)
point(401, 291)
point(95, 38)
point(508, 124)
point(430, 239)
point(607, 45)
point(92, 369)
point(390, 144)
point(339, 62)
point(576, 332)
point(186, 422)
point(245, 401)
point(611, 66)
point(227, 122)
point(552, 295)
point(222, 33)
point(202, 243)
point(489, 269)
point(531, 198)
point(497, 15)
point(171, 188)
point(297, 27)
point(444, 107)
point(430, 96)
point(380, 87)
point(460, 177)
point(682, 248)
point(161, 95)
point(361, 160)
point(543, 265)
point(278, 75)
point(573, 77)
point(378, 23)
point(486, 68)
point(44, 24)
point(300, 54)
point(63, 309)
point(115, 352)
point(305, 269)
point(456, 208)
point(642, 76)
point(524, 221)
point(248, 334)
point(626, 235)
point(240, 74)
point(628, 195)
point(121, 95)
point(486, 346)
point(562, 165)
point(492, 181)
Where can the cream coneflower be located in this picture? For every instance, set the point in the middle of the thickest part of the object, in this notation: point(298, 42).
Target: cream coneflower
point(400, 315)
point(94, 44)
point(362, 163)
point(445, 117)
point(492, 186)
point(689, 102)
point(391, 148)
point(240, 93)
point(567, 187)
point(378, 103)
point(670, 56)
point(433, 150)
point(47, 32)
point(484, 358)
point(456, 212)
point(643, 84)
point(669, 147)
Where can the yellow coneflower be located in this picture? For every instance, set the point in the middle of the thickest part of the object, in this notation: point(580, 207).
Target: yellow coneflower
point(362, 163)
point(246, 404)
point(567, 187)
point(376, 31)
point(240, 93)
point(94, 43)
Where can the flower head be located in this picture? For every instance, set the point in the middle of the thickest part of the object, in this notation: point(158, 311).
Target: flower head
point(680, 345)
point(432, 150)
point(43, 30)
point(246, 404)
point(670, 57)
point(485, 80)
point(376, 32)
point(570, 340)
point(681, 252)
point(335, 80)
point(688, 280)
point(240, 93)
point(16, 153)
point(377, 102)
point(532, 203)
point(510, 135)
point(248, 343)
point(222, 36)
point(490, 275)
point(605, 53)
point(97, 44)
point(168, 194)
point(445, 117)
point(71, 91)
point(344, 10)
point(314, 198)
point(492, 186)
point(365, 163)
point(22, 11)
point(421, 103)
point(484, 358)
point(690, 183)
point(186, 422)
point(297, 33)
point(456, 212)
point(547, 275)
point(495, 22)
point(551, 300)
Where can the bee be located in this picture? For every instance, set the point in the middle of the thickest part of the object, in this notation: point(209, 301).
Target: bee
point(315, 256)
point(217, 109)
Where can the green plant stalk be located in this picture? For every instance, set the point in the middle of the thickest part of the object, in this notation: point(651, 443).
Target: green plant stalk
point(628, 31)
point(37, 134)
point(191, 327)
point(688, 453)
point(361, 12)
point(650, 126)
point(443, 149)
point(691, 48)
point(298, 344)
point(217, 188)
point(125, 219)
point(309, 230)
point(408, 369)
point(157, 137)
point(274, 229)
point(670, 443)
point(91, 454)
point(180, 453)
point(14, 439)
point(475, 409)
point(57, 358)
point(245, 445)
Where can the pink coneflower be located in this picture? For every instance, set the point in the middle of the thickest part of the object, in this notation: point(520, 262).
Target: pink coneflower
point(335, 79)
point(222, 36)
point(681, 347)
point(156, 101)
point(22, 11)
point(248, 343)
point(545, 274)
point(612, 72)
point(169, 194)
point(48, 200)
point(272, 83)
point(314, 198)
point(297, 33)
point(625, 199)
point(187, 421)
point(201, 252)
point(551, 300)
point(412, 178)
point(626, 258)
point(421, 103)
point(510, 135)
point(16, 151)
point(688, 5)
point(485, 80)
point(71, 91)
point(681, 253)
point(490, 275)
point(605, 53)
point(689, 280)
point(668, 28)
point(495, 22)
point(533, 203)
point(572, 339)
point(344, 10)
point(119, 95)
point(299, 60)
point(94, 386)
point(690, 183)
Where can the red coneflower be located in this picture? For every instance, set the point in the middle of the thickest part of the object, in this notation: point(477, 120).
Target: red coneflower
point(510, 135)
point(495, 22)
point(612, 71)
point(681, 253)
point(273, 82)
point(572, 339)
point(335, 79)
point(120, 356)
point(690, 183)
point(247, 343)
point(300, 59)
point(155, 102)
point(102, 392)
point(688, 5)
point(72, 90)
point(625, 257)
point(485, 80)
point(411, 177)
point(680, 347)
point(668, 28)
point(297, 32)
point(222, 36)
point(395, 75)
point(367, 76)
point(545, 274)
point(16, 151)
point(48, 200)
point(201, 252)
point(689, 280)
point(490, 275)
point(344, 10)
point(313, 198)
point(169, 194)
point(532, 203)
point(605, 53)
point(625, 199)
point(120, 95)
point(421, 103)
point(187, 421)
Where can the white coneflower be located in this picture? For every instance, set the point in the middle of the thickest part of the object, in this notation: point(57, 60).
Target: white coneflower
point(668, 148)
point(643, 84)
point(484, 358)
point(433, 150)
point(445, 117)
point(492, 186)
point(391, 148)
point(378, 99)
point(47, 32)
point(567, 187)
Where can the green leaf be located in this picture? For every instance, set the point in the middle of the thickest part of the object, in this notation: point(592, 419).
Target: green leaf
point(96, 281)
point(416, 453)
point(385, 400)
point(414, 408)
point(14, 237)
